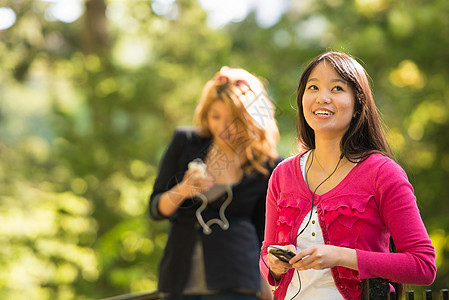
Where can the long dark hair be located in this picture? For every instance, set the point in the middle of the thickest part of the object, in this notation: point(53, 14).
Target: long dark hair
point(365, 134)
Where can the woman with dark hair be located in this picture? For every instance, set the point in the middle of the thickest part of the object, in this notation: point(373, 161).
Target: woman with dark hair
point(212, 187)
point(334, 207)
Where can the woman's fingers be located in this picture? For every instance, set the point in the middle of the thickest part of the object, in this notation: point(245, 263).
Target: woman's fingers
point(316, 257)
point(276, 265)
point(197, 182)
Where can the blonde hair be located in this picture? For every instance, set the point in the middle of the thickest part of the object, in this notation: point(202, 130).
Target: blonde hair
point(252, 110)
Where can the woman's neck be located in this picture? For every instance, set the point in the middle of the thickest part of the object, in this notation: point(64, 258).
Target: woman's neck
point(224, 164)
point(227, 154)
point(230, 150)
point(328, 151)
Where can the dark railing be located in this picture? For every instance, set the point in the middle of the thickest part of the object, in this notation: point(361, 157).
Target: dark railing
point(379, 289)
point(444, 295)
point(372, 289)
point(136, 296)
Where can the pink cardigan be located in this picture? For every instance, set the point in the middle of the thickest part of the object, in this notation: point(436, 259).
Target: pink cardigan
point(372, 201)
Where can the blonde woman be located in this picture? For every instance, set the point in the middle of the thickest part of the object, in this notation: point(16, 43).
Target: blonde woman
point(212, 187)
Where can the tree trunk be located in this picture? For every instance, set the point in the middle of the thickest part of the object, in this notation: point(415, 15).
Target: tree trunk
point(95, 32)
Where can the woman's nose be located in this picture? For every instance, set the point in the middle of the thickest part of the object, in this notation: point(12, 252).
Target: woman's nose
point(225, 126)
point(323, 97)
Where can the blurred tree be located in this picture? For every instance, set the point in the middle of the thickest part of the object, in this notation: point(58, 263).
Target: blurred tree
point(87, 109)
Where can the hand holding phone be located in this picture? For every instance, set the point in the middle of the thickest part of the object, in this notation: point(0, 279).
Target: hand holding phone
point(282, 254)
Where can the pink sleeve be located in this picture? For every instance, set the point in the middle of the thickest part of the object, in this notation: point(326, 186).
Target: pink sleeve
point(270, 226)
point(414, 262)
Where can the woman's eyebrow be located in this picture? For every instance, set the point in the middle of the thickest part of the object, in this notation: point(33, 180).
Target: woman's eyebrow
point(339, 80)
point(332, 80)
point(214, 110)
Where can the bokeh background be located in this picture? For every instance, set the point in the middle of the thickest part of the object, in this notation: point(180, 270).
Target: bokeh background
point(91, 91)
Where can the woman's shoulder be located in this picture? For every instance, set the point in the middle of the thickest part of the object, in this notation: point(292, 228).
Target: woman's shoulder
point(377, 162)
point(289, 164)
point(190, 133)
point(379, 159)
point(186, 131)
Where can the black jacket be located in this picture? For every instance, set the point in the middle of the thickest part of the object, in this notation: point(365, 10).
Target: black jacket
point(230, 256)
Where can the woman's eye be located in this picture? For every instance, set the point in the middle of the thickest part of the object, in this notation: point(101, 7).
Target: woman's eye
point(312, 87)
point(337, 88)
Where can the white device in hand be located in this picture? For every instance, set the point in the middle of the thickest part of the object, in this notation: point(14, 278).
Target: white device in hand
point(198, 164)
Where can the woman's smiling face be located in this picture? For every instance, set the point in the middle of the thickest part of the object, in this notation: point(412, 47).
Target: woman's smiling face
point(221, 123)
point(328, 101)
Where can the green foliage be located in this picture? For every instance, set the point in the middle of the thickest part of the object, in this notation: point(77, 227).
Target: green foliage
point(84, 122)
